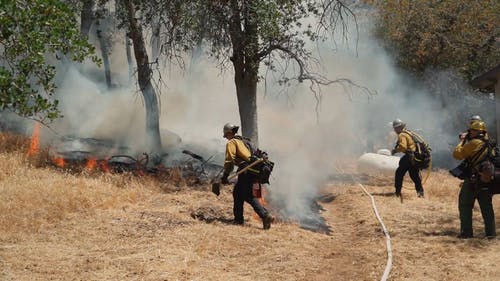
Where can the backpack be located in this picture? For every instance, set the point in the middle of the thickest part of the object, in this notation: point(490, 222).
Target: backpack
point(489, 168)
point(262, 170)
point(421, 157)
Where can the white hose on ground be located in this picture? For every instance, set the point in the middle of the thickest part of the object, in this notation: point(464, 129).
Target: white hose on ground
point(388, 265)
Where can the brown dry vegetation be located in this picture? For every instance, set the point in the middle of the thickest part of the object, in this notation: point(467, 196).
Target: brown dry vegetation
point(62, 226)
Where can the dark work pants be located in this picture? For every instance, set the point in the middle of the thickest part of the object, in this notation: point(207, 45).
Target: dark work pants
point(468, 195)
point(242, 193)
point(406, 166)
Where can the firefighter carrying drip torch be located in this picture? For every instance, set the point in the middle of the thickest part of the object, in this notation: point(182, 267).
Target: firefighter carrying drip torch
point(238, 154)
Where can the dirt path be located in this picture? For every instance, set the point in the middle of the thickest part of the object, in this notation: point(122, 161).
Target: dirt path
point(186, 236)
point(358, 242)
point(423, 233)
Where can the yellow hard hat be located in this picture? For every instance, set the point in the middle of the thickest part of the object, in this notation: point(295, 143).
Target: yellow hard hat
point(478, 126)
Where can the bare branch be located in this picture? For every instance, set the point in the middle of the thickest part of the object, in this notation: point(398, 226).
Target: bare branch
point(335, 12)
point(317, 80)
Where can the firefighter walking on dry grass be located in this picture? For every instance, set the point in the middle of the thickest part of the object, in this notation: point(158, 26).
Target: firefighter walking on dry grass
point(406, 145)
point(238, 154)
point(472, 149)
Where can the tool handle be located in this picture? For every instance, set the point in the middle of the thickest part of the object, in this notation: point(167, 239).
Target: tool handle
point(246, 168)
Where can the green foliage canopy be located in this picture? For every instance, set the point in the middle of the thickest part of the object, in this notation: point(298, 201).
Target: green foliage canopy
point(444, 34)
point(34, 35)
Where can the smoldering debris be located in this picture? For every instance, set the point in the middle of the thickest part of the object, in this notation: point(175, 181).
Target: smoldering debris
point(203, 167)
point(211, 214)
point(105, 155)
point(309, 218)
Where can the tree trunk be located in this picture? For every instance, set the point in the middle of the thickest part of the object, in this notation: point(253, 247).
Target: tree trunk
point(130, 61)
point(155, 38)
point(243, 32)
point(246, 91)
point(104, 53)
point(87, 16)
point(144, 79)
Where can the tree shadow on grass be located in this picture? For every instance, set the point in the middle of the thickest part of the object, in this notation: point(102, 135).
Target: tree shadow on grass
point(445, 232)
point(478, 241)
point(354, 178)
point(210, 214)
point(384, 194)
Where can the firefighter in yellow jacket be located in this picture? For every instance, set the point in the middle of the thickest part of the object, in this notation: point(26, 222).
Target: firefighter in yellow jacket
point(472, 149)
point(465, 135)
point(406, 145)
point(238, 154)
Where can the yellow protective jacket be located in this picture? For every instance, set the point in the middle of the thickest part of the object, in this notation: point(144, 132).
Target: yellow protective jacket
point(236, 154)
point(405, 142)
point(470, 149)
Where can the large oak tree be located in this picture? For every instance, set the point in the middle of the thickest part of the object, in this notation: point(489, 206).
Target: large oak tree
point(247, 34)
point(271, 33)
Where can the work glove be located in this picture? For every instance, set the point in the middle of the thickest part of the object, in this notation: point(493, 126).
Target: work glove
point(463, 136)
point(224, 180)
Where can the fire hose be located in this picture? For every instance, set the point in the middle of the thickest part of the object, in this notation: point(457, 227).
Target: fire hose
point(424, 180)
point(388, 265)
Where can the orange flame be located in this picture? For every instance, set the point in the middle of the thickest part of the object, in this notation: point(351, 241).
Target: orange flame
point(59, 162)
point(104, 166)
point(35, 146)
point(91, 164)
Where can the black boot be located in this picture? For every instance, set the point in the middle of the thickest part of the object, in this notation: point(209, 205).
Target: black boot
point(267, 220)
point(464, 236)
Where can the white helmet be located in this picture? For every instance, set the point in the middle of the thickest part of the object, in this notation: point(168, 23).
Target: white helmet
point(475, 118)
point(398, 123)
point(230, 128)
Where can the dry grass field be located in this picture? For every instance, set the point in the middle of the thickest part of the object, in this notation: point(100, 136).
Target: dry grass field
point(56, 225)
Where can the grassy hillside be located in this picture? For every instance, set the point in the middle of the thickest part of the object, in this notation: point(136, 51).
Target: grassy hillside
point(57, 225)
point(34, 193)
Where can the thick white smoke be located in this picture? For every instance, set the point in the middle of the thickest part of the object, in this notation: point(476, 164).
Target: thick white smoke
point(306, 146)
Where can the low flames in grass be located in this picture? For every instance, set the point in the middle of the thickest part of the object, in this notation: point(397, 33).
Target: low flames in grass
point(34, 148)
point(59, 162)
point(89, 165)
point(77, 162)
point(34, 152)
point(93, 164)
